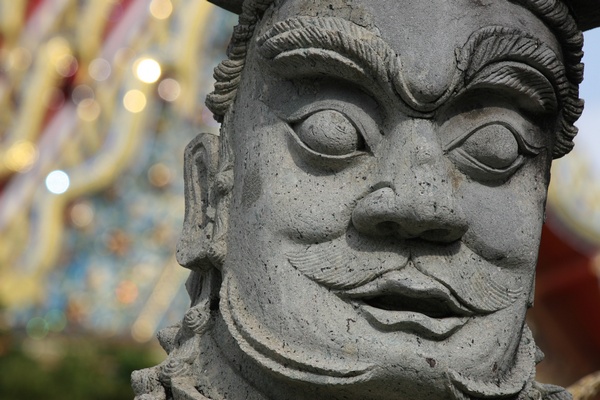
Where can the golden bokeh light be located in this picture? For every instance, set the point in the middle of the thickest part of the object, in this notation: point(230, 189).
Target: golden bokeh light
point(57, 47)
point(99, 69)
point(142, 331)
point(147, 70)
point(66, 66)
point(21, 156)
point(169, 89)
point(159, 175)
point(88, 110)
point(134, 101)
point(59, 53)
point(161, 9)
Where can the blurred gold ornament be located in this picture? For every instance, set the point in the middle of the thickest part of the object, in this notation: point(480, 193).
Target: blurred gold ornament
point(134, 101)
point(21, 156)
point(161, 9)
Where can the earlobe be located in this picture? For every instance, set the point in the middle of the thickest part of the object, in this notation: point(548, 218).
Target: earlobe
point(201, 159)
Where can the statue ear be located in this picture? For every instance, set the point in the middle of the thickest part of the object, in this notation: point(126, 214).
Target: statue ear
point(199, 171)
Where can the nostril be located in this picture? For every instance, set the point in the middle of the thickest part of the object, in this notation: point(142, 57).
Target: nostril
point(387, 213)
point(441, 235)
point(386, 228)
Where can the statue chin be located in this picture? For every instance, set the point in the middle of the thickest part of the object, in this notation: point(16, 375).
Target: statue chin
point(314, 369)
point(262, 347)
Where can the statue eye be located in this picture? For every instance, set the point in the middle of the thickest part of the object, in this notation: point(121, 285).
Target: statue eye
point(493, 145)
point(329, 133)
point(491, 152)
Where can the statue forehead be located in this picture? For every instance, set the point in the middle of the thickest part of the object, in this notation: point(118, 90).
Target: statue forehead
point(425, 34)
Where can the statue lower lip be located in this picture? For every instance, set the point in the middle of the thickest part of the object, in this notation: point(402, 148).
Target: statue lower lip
point(411, 321)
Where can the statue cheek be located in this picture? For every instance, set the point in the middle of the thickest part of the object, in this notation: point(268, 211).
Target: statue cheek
point(504, 223)
point(315, 211)
point(278, 194)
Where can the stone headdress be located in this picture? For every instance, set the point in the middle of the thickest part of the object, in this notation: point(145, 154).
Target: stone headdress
point(585, 12)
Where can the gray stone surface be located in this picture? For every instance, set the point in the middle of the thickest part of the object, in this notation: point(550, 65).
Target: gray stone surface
point(367, 224)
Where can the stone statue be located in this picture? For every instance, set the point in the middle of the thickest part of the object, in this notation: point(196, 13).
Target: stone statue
point(367, 224)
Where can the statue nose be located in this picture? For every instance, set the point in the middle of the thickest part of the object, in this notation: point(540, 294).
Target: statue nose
point(385, 212)
point(414, 196)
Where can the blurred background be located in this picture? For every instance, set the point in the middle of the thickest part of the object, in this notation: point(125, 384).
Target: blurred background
point(98, 99)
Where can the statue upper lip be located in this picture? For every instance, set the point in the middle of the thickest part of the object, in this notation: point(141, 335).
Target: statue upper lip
point(393, 292)
point(407, 300)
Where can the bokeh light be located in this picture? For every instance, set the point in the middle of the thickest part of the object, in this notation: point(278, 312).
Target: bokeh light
point(134, 101)
point(126, 292)
point(66, 65)
point(99, 69)
point(57, 182)
point(81, 214)
point(142, 331)
point(147, 70)
point(59, 53)
point(21, 156)
point(82, 92)
point(88, 110)
point(37, 328)
point(161, 9)
point(169, 89)
point(56, 320)
point(159, 175)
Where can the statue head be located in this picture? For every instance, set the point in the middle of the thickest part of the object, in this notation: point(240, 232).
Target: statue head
point(367, 224)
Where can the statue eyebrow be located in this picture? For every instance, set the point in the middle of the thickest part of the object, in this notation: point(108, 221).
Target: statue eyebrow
point(520, 78)
point(503, 57)
point(308, 46)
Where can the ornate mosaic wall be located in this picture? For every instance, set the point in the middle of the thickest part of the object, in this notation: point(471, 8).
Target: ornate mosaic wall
point(97, 101)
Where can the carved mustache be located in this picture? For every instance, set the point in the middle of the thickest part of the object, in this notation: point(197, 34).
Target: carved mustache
point(341, 263)
point(345, 264)
point(478, 283)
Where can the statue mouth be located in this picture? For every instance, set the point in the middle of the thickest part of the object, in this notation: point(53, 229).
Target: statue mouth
point(432, 307)
point(412, 302)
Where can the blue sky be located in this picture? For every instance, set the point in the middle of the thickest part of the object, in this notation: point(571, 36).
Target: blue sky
point(589, 124)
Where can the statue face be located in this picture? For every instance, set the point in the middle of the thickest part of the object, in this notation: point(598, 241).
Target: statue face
point(391, 166)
